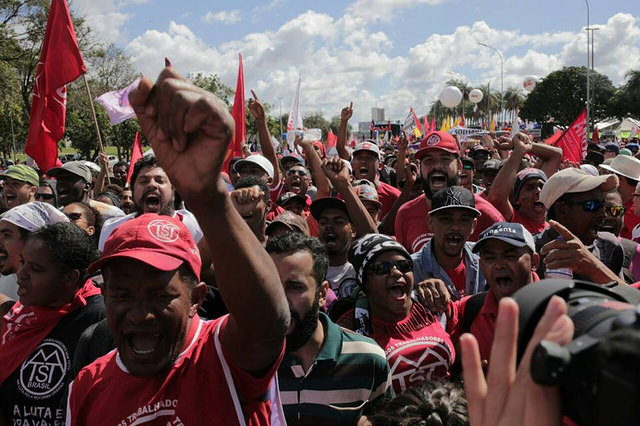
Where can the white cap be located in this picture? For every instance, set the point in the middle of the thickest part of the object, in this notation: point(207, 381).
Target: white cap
point(258, 160)
point(572, 180)
point(624, 165)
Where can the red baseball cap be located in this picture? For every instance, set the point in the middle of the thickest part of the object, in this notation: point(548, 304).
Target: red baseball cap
point(438, 140)
point(162, 242)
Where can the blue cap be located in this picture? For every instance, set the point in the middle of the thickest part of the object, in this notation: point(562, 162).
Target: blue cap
point(612, 147)
point(511, 233)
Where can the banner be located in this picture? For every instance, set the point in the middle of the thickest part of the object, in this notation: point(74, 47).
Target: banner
point(573, 141)
point(411, 124)
point(116, 103)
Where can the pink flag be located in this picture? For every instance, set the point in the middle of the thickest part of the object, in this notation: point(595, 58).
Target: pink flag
point(573, 141)
point(117, 104)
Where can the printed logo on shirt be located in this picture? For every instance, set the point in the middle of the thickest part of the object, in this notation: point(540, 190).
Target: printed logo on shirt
point(163, 230)
point(156, 413)
point(414, 361)
point(43, 373)
point(420, 241)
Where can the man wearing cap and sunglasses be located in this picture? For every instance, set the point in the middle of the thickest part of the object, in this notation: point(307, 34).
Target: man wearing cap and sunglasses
point(628, 171)
point(169, 364)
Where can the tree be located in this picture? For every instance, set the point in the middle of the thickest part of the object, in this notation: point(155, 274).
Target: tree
point(212, 83)
point(316, 121)
point(513, 98)
point(561, 96)
point(626, 101)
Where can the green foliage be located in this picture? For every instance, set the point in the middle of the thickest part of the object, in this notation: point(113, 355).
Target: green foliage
point(561, 95)
point(626, 101)
point(212, 83)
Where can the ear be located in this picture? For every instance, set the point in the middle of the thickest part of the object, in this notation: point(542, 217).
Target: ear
point(324, 290)
point(430, 222)
point(197, 297)
point(71, 279)
point(91, 230)
point(475, 223)
point(535, 261)
point(32, 191)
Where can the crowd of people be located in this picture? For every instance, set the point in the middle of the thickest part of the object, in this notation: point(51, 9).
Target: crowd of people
point(300, 288)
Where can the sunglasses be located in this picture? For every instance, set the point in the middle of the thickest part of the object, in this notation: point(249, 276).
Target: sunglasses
point(384, 267)
point(589, 206)
point(44, 196)
point(301, 173)
point(74, 216)
point(615, 211)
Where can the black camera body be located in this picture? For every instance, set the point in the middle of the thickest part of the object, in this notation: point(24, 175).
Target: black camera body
point(599, 370)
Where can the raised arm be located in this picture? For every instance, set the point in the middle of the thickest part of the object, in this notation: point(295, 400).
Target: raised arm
point(189, 130)
point(549, 156)
point(264, 136)
point(402, 145)
point(315, 164)
point(345, 115)
point(506, 177)
point(338, 174)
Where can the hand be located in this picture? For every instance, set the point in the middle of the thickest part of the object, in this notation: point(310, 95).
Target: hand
point(403, 142)
point(300, 142)
point(487, 141)
point(433, 294)
point(245, 200)
point(103, 159)
point(347, 112)
point(337, 172)
point(507, 396)
point(521, 144)
point(245, 150)
point(189, 130)
point(410, 174)
point(570, 252)
point(255, 107)
point(505, 143)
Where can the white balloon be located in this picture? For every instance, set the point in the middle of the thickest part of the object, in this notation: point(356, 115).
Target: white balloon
point(450, 96)
point(529, 83)
point(476, 95)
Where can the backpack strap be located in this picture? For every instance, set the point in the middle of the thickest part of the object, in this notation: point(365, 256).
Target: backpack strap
point(471, 309)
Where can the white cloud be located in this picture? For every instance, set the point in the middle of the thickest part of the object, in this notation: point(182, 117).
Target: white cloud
point(342, 60)
point(225, 17)
point(382, 10)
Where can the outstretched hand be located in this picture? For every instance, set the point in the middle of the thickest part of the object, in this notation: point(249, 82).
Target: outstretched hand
point(255, 107)
point(188, 128)
point(346, 112)
point(506, 396)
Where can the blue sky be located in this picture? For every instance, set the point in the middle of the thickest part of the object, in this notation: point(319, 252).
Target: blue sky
point(391, 53)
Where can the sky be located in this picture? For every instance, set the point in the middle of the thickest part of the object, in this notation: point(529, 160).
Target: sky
point(392, 54)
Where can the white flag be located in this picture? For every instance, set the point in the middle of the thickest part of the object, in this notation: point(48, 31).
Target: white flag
point(295, 118)
point(515, 127)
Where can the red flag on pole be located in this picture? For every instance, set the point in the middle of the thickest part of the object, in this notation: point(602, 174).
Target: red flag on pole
point(462, 120)
point(415, 118)
point(332, 140)
point(596, 136)
point(573, 141)
point(60, 63)
point(238, 113)
point(433, 124)
point(136, 154)
point(426, 127)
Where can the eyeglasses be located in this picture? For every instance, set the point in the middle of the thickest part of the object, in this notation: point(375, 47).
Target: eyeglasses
point(44, 196)
point(384, 267)
point(301, 173)
point(74, 216)
point(615, 211)
point(589, 206)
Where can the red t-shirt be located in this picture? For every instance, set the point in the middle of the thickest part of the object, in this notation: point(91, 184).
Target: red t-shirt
point(457, 276)
point(387, 195)
point(411, 227)
point(531, 226)
point(630, 220)
point(193, 391)
point(417, 348)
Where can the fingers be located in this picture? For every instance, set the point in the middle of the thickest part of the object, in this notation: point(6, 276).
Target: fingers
point(350, 106)
point(560, 229)
point(444, 296)
point(138, 97)
point(502, 366)
point(474, 382)
point(254, 95)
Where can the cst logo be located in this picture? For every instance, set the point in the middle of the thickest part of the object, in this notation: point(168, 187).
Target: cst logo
point(43, 373)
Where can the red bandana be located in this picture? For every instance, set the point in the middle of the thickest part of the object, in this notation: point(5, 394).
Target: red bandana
point(24, 327)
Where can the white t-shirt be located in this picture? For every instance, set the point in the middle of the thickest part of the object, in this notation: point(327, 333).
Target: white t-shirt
point(185, 216)
point(342, 279)
point(9, 285)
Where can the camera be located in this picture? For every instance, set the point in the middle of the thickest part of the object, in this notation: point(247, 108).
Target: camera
point(599, 370)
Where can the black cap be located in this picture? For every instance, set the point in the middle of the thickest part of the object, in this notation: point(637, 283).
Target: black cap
point(453, 197)
point(318, 206)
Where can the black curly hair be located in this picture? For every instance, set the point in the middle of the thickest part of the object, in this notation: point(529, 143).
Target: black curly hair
point(295, 242)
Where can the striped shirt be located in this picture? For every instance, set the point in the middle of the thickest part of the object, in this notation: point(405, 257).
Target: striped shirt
point(349, 374)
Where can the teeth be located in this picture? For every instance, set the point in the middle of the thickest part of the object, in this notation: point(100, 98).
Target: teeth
point(144, 344)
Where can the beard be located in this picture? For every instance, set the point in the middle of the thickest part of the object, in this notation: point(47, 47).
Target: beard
point(167, 209)
point(304, 328)
point(451, 181)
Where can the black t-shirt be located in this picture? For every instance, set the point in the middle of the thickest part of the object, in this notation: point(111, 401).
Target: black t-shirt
point(34, 393)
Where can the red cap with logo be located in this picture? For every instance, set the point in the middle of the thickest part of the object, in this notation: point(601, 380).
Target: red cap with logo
point(162, 242)
point(438, 140)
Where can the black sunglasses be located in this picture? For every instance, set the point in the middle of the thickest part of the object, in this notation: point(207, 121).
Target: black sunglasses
point(74, 216)
point(589, 206)
point(384, 267)
point(44, 196)
point(615, 211)
point(301, 173)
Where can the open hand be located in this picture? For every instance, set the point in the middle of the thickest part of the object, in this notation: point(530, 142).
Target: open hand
point(255, 107)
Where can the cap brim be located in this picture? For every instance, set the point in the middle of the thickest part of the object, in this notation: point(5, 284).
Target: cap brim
point(422, 151)
point(471, 209)
point(509, 241)
point(159, 261)
point(318, 206)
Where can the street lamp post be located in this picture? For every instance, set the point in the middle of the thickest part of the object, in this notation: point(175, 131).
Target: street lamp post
point(588, 72)
point(501, 74)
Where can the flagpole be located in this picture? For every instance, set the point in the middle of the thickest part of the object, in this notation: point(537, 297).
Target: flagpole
point(95, 120)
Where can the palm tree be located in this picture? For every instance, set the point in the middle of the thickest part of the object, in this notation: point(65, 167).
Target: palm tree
point(513, 98)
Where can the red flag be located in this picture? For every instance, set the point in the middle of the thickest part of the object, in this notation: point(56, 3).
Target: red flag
point(462, 120)
point(332, 140)
point(60, 63)
point(415, 118)
point(136, 154)
point(426, 127)
point(433, 124)
point(596, 136)
point(573, 141)
point(167, 62)
point(238, 113)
